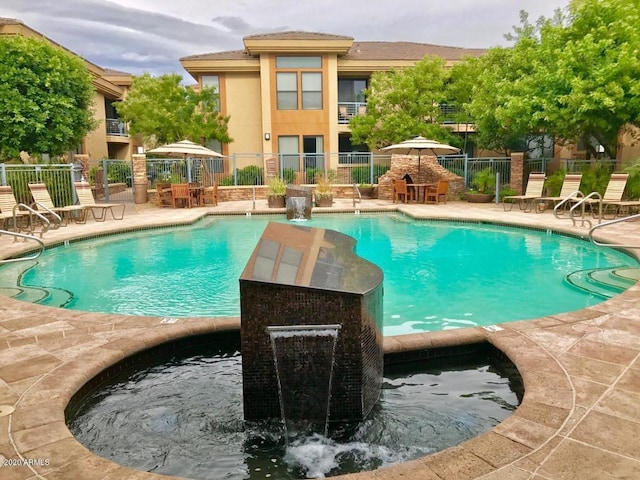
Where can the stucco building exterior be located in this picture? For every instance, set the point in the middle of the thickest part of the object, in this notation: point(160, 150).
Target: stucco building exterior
point(293, 93)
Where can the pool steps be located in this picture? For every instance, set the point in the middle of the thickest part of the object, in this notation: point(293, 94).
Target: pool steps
point(48, 296)
point(604, 282)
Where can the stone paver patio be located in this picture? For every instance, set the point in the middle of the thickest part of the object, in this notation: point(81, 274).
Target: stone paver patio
point(579, 419)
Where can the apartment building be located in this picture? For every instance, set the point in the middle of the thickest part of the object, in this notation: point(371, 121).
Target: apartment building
point(293, 93)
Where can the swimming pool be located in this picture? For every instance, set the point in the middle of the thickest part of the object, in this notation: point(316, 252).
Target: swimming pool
point(438, 275)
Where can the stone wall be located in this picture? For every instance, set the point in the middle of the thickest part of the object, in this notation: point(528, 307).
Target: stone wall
point(427, 171)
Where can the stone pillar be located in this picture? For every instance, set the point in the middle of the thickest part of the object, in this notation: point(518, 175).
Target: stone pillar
point(517, 172)
point(140, 183)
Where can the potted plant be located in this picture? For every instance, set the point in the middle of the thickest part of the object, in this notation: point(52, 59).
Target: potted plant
point(275, 193)
point(323, 192)
point(483, 187)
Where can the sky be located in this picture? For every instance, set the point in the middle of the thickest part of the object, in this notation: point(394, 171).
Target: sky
point(138, 36)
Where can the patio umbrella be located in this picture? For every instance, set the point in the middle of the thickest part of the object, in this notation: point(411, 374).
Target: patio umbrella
point(184, 148)
point(418, 145)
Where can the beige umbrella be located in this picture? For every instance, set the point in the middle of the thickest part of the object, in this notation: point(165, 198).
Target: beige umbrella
point(184, 148)
point(419, 145)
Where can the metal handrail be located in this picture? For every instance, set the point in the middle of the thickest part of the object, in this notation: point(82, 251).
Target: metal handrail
point(581, 203)
point(565, 200)
point(612, 222)
point(25, 237)
point(356, 191)
point(58, 219)
point(46, 223)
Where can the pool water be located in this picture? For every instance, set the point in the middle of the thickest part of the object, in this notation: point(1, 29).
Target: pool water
point(437, 275)
point(183, 416)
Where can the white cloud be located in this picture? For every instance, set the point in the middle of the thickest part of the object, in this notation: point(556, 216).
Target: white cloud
point(151, 35)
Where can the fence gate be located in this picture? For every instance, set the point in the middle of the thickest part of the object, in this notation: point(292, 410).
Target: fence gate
point(114, 183)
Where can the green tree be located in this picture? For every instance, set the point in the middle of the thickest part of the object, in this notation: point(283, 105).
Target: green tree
point(587, 73)
point(46, 96)
point(502, 104)
point(404, 103)
point(164, 111)
point(573, 77)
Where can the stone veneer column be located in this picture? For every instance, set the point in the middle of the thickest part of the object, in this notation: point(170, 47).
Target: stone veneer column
point(517, 172)
point(140, 182)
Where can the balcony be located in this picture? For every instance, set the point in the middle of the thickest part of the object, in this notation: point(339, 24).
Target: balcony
point(348, 110)
point(116, 127)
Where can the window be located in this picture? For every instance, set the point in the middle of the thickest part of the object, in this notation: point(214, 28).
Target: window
point(287, 85)
point(299, 88)
point(288, 147)
point(298, 62)
point(213, 81)
point(351, 90)
point(311, 91)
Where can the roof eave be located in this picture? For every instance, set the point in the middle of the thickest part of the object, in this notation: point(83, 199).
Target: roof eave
point(258, 46)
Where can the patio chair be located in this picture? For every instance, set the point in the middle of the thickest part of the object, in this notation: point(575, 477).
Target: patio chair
point(411, 189)
point(180, 193)
point(42, 202)
point(210, 195)
point(436, 193)
point(87, 200)
point(533, 192)
point(400, 190)
point(163, 194)
point(9, 209)
point(196, 192)
point(570, 185)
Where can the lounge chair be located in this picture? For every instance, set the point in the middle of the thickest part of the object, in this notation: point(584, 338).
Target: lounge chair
point(570, 185)
point(98, 210)
point(437, 192)
point(533, 192)
point(42, 201)
point(180, 193)
point(612, 198)
point(9, 209)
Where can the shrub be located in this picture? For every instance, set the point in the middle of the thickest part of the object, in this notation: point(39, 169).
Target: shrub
point(484, 180)
point(120, 172)
point(553, 183)
point(277, 187)
point(362, 174)
point(288, 175)
point(633, 184)
point(595, 179)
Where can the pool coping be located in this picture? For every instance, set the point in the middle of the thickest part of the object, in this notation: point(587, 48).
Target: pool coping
point(581, 371)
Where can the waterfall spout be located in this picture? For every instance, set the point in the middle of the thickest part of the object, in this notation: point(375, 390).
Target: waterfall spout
point(304, 356)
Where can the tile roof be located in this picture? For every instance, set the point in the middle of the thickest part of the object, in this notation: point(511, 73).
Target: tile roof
point(110, 72)
point(297, 35)
point(358, 51)
point(10, 21)
point(228, 55)
point(407, 51)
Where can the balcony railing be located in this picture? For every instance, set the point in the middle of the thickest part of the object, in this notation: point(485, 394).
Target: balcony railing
point(116, 127)
point(449, 113)
point(348, 110)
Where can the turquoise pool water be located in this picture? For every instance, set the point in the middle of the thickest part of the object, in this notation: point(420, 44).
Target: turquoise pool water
point(438, 275)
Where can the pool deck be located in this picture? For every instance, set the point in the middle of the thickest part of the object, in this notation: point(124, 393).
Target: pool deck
point(579, 420)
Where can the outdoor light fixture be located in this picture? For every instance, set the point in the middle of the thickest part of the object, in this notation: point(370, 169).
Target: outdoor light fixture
point(267, 136)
